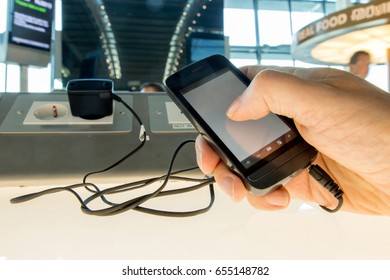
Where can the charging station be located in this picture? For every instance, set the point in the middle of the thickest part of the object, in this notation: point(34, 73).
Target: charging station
point(43, 149)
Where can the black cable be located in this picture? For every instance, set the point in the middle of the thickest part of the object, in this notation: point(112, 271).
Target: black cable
point(143, 138)
point(135, 203)
point(181, 214)
point(327, 182)
point(140, 184)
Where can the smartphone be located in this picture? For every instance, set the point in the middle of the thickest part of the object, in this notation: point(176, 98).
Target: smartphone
point(265, 153)
point(90, 98)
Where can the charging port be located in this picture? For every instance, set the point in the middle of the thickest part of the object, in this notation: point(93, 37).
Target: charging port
point(58, 113)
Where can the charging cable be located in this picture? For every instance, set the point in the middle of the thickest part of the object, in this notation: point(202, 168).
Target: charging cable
point(327, 182)
point(135, 203)
point(142, 136)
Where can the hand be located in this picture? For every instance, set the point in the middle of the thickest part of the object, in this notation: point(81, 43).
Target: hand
point(344, 117)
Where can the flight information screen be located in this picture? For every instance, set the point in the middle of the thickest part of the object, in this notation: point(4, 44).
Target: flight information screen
point(31, 24)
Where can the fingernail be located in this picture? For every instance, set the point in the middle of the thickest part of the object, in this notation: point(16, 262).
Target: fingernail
point(227, 185)
point(234, 107)
point(277, 199)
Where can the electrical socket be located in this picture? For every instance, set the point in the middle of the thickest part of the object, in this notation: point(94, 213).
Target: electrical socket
point(58, 113)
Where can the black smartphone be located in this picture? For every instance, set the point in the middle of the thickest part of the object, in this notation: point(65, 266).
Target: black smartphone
point(90, 98)
point(265, 153)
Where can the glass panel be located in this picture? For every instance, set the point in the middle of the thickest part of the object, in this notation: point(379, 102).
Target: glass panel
point(244, 33)
point(378, 75)
point(2, 77)
point(3, 16)
point(276, 62)
point(304, 13)
point(13, 78)
point(243, 57)
point(242, 4)
point(330, 8)
point(274, 23)
point(39, 79)
point(243, 62)
point(298, 63)
point(276, 59)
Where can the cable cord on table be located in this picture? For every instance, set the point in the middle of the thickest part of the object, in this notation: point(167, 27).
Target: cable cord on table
point(135, 203)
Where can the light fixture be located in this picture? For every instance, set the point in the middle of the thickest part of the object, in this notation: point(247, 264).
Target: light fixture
point(338, 50)
point(185, 26)
point(107, 37)
point(333, 39)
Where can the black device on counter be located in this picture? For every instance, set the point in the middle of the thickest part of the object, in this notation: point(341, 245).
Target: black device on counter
point(265, 152)
point(90, 98)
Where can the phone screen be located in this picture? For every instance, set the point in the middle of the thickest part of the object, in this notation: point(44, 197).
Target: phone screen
point(249, 141)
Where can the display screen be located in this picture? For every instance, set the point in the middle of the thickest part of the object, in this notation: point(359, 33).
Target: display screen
point(250, 141)
point(31, 23)
point(204, 45)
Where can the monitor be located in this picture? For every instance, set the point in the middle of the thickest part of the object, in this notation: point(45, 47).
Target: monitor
point(201, 45)
point(30, 31)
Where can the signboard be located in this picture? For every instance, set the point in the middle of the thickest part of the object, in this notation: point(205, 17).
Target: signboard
point(332, 39)
point(27, 39)
point(361, 14)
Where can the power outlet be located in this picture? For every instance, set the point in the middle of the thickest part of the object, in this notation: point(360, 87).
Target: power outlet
point(58, 113)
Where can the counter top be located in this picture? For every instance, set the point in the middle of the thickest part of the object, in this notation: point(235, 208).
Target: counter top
point(53, 227)
point(46, 154)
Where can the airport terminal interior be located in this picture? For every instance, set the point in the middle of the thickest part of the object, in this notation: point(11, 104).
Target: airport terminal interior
point(47, 44)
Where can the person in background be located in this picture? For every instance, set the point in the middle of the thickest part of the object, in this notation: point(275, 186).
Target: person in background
point(152, 87)
point(359, 64)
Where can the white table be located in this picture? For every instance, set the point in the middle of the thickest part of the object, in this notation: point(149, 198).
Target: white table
point(53, 227)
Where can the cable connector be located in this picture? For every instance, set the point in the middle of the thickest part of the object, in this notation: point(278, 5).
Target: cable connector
point(142, 134)
point(116, 97)
point(327, 182)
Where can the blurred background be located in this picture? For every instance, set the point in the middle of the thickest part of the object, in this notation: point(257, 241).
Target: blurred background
point(135, 41)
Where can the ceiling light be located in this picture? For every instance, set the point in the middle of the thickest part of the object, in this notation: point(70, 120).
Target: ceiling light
point(98, 11)
point(182, 32)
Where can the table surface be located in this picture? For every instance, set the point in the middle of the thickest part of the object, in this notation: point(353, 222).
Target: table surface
point(53, 227)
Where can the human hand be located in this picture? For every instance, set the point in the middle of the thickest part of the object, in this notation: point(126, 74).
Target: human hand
point(344, 117)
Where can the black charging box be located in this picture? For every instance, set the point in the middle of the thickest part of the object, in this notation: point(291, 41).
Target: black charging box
point(90, 98)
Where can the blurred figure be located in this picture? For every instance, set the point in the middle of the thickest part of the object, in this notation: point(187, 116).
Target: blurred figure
point(359, 63)
point(152, 87)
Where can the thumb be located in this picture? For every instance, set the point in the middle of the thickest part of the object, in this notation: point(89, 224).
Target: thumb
point(278, 92)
